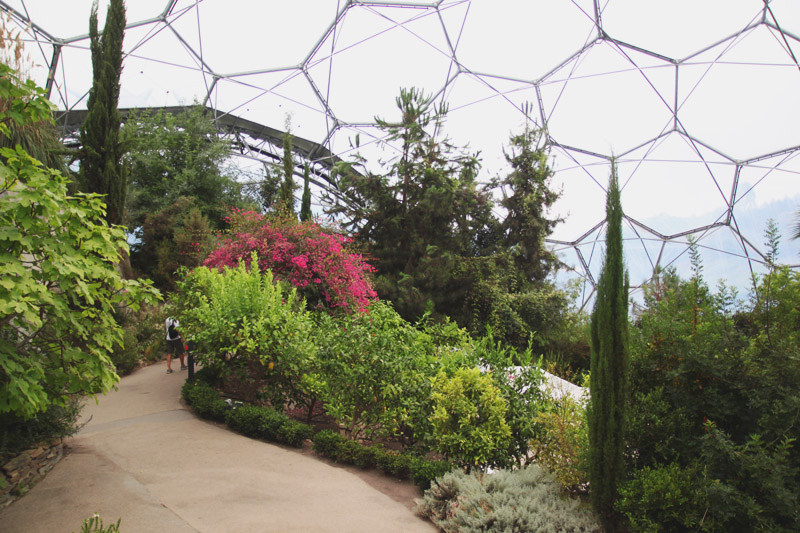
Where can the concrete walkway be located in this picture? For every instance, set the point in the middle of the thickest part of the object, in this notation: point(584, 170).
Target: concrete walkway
point(144, 457)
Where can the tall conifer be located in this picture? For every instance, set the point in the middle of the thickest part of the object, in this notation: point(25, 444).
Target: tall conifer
point(609, 339)
point(305, 206)
point(101, 169)
point(530, 197)
point(286, 193)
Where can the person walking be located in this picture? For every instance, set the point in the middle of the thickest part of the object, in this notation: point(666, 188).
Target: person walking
point(174, 344)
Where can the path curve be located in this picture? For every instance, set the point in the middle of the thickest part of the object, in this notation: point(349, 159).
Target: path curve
point(144, 457)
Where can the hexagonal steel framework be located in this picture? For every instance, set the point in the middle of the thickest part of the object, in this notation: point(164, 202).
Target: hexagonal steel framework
point(696, 101)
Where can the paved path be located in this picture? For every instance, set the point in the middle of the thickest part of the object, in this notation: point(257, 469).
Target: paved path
point(144, 457)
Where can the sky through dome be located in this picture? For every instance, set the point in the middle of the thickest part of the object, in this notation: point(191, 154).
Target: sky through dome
point(696, 100)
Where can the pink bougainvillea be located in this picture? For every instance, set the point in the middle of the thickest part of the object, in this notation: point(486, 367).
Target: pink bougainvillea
point(301, 253)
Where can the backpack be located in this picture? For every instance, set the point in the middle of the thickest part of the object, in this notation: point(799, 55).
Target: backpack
point(173, 333)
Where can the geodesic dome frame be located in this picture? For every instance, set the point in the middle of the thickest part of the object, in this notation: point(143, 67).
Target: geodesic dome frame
point(695, 101)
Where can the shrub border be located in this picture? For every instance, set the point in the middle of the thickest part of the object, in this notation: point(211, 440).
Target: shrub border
point(267, 424)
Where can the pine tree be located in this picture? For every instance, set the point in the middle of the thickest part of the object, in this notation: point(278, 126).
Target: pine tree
point(526, 225)
point(420, 218)
point(101, 169)
point(305, 206)
point(609, 366)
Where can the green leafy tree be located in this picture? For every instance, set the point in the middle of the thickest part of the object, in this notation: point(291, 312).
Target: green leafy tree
point(59, 291)
point(430, 230)
point(175, 165)
point(506, 280)
point(376, 369)
point(193, 239)
point(265, 190)
point(712, 426)
point(60, 286)
point(177, 236)
point(101, 159)
point(173, 156)
point(609, 341)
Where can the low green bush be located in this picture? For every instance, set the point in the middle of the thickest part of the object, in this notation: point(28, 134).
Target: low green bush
point(254, 422)
point(664, 498)
point(424, 471)
point(205, 400)
point(352, 453)
point(561, 442)
point(294, 433)
point(126, 357)
point(514, 501)
point(347, 452)
point(17, 433)
point(207, 374)
point(143, 332)
point(468, 418)
point(395, 464)
point(268, 424)
point(186, 390)
point(326, 442)
point(367, 456)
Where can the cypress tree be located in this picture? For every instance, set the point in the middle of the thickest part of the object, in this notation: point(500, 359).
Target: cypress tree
point(101, 169)
point(286, 194)
point(609, 366)
point(305, 206)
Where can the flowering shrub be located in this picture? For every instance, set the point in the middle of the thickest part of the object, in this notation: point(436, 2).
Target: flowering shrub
point(301, 253)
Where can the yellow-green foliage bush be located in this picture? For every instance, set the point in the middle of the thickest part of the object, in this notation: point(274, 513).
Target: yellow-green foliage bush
point(468, 417)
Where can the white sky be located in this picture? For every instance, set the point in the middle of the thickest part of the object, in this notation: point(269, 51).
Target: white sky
point(735, 91)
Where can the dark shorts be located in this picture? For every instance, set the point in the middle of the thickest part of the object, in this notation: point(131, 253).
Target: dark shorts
point(175, 346)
